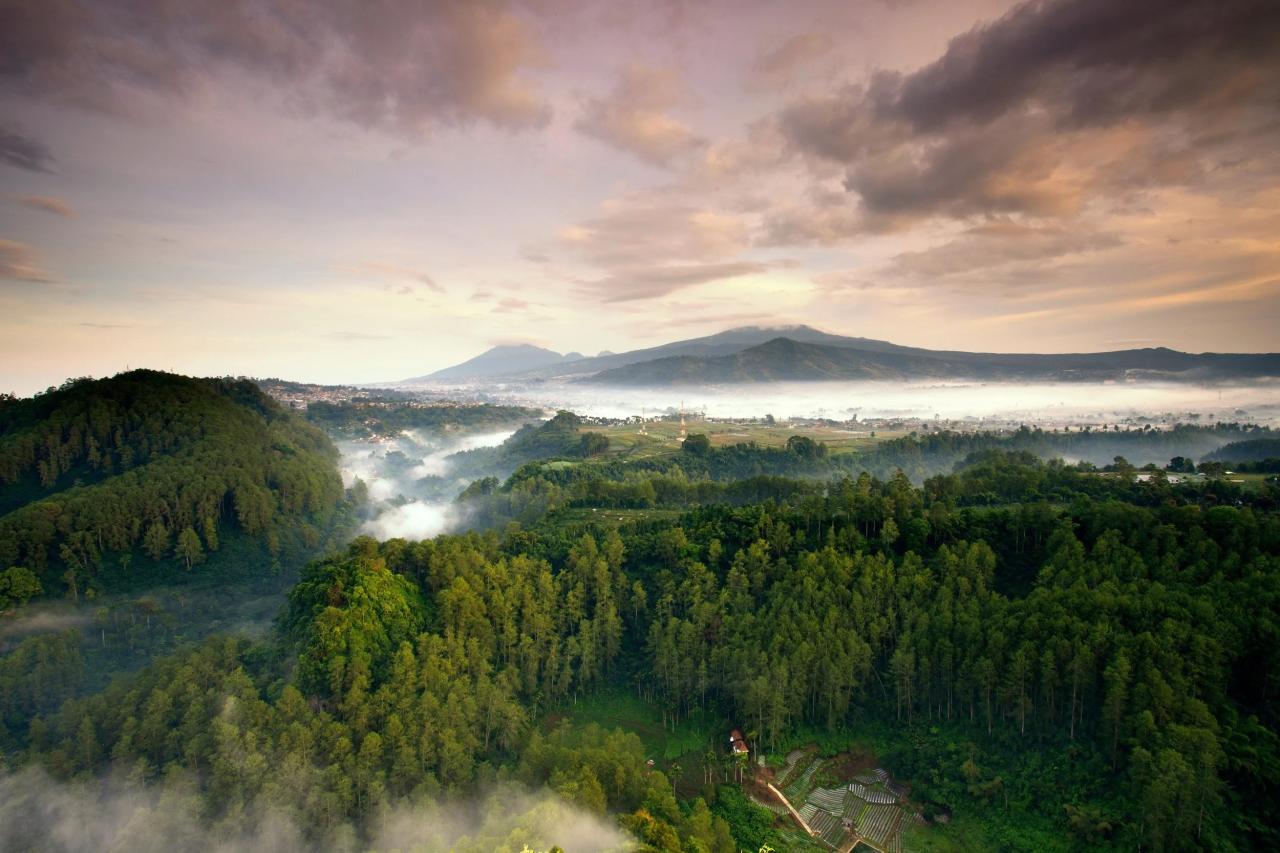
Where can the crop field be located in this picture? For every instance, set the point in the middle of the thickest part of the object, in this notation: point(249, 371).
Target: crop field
point(613, 517)
point(663, 437)
point(865, 805)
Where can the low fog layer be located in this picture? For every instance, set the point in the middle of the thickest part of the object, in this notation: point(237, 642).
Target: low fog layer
point(411, 481)
point(38, 813)
point(842, 400)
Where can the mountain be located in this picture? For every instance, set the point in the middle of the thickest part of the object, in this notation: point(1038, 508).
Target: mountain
point(787, 359)
point(145, 477)
point(498, 361)
point(532, 363)
point(803, 353)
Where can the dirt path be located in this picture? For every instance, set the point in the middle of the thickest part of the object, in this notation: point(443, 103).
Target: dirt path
point(795, 814)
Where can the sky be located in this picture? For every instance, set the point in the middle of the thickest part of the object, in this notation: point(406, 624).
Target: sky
point(359, 191)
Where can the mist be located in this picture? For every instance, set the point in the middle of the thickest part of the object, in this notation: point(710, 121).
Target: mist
point(39, 813)
point(39, 618)
point(1030, 402)
point(412, 481)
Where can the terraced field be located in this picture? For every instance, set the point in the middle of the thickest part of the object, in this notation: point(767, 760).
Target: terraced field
point(866, 808)
point(880, 824)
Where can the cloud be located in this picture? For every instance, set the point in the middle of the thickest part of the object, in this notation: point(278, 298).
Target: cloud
point(824, 219)
point(48, 204)
point(633, 118)
point(655, 243)
point(1096, 62)
point(648, 282)
point(357, 336)
point(408, 68)
point(1000, 244)
point(778, 67)
point(1053, 106)
point(18, 262)
point(22, 151)
point(647, 228)
point(39, 813)
point(396, 272)
point(108, 325)
point(510, 305)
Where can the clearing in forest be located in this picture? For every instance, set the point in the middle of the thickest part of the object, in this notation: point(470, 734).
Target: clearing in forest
point(842, 812)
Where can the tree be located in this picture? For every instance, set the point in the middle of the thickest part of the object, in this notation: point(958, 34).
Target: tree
point(189, 548)
point(697, 445)
point(592, 444)
point(1116, 696)
point(156, 540)
point(18, 585)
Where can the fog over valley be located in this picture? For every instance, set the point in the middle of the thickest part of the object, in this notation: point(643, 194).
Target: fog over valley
point(411, 480)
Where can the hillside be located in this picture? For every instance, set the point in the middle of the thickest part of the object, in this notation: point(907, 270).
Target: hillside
point(787, 359)
point(114, 483)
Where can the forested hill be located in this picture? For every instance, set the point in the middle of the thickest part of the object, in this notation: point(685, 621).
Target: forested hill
point(111, 483)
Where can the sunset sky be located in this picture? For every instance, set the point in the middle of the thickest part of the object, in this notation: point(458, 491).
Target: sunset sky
point(363, 191)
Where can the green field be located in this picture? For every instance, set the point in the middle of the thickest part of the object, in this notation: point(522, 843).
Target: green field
point(662, 438)
point(624, 710)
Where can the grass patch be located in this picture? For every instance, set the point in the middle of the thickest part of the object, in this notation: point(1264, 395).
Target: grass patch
point(624, 710)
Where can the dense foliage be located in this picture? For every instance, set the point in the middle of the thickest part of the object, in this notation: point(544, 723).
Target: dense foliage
point(360, 418)
point(1125, 633)
point(109, 482)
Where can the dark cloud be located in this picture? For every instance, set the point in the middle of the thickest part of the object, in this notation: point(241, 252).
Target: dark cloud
point(48, 204)
point(406, 65)
point(634, 117)
point(1057, 103)
point(1099, 62)
point(19, 150)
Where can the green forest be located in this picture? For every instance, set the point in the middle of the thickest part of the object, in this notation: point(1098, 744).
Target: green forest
point(1049, 656)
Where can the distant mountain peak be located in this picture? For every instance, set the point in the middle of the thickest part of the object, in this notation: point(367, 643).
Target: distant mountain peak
point(500, 360)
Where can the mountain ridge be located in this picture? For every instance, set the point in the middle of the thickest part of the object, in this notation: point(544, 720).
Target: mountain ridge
point(785, 360)
point(803, 353)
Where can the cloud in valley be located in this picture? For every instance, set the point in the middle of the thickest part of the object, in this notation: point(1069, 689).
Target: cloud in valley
point(43, 815)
